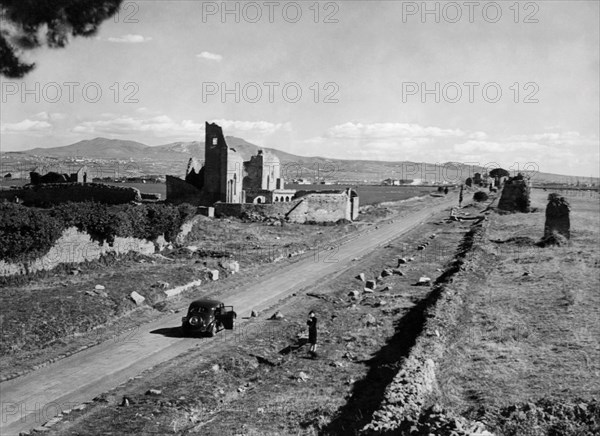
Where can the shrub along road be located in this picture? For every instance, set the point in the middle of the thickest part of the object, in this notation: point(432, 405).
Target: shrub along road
point(35, 398)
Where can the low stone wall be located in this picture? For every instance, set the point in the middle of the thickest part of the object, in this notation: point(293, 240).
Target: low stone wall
point(314, 207)
point(76, 247)
point(321, 207)
point(55, 193)
point(274, 210)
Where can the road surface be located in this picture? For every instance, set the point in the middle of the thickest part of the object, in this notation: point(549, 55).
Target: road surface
point(31, 400)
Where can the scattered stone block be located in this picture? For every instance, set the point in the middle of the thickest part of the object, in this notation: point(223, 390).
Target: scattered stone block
point(192, 248)
point(231, 265)
point(253, 314)
point(137, 298)
point(125, 402)
point(90, 293)
point(386, 272)
point(353, 294)
point(369, 320)
point(161, 285)
point(361, 277)
point(277, 315)
point(99, 288)
point(424, 281)
point(382, 303)
point(302, 376)
point(214, 274)
point(370, 284)
point(397, 272)
point(153, 392)
point(402, 260)
point(368, 290)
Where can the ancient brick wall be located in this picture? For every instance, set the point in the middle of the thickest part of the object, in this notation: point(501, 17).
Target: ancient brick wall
point(180, 191)
point(55, 193)
point(557, 217)
point(515, 196)
point(75, 246)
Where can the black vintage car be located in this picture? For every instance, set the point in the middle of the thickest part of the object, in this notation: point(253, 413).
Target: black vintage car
point(208, 316)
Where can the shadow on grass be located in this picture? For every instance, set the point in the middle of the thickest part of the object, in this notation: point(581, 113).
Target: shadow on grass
point(368, 393)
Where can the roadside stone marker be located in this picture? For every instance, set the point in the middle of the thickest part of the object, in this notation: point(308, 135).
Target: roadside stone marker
point(137, 298)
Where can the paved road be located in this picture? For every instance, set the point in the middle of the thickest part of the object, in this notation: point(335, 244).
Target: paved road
point(31, 400)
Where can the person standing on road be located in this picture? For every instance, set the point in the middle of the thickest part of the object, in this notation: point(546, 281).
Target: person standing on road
point(312, 333)
point(460, 196)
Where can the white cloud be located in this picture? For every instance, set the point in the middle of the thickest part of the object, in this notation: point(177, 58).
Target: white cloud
point(26, 126)
point(129, 39)
point(162, 126)
point(232, 128)
point(52, 116)
point(389, 130)
point(210, 56)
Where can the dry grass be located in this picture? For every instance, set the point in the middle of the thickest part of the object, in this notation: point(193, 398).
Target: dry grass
point(530, 328)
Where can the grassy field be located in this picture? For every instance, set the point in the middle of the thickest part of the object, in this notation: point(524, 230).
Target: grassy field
point(529, 329)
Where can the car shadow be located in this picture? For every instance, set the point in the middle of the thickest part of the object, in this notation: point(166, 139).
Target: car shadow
point(170, 332)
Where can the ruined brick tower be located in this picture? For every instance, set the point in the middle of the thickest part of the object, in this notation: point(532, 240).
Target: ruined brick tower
point(223, 171)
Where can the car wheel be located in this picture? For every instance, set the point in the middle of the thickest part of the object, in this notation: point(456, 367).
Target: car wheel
point(211, 331)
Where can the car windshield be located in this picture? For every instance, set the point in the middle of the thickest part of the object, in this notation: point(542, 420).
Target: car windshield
point(200, 309)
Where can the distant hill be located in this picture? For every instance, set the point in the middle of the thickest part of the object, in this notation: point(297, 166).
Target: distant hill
point(102, 148)
point(172, 159)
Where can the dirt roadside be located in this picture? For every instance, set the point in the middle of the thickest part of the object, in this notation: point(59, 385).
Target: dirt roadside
point(51, 385)
point(260, 381)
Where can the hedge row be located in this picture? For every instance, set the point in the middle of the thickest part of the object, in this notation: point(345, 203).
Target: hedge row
point(27, 233)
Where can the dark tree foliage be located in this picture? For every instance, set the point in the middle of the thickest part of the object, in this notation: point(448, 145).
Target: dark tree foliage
point(28, 24)
point(480, 196)
point(499, 172)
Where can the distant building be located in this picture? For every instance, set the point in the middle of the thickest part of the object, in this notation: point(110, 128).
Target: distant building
point(226, 179)
point(57, 175)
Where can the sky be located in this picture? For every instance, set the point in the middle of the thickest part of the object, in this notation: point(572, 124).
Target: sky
point(512, 83)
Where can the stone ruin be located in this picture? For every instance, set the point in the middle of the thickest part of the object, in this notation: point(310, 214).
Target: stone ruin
point(515, 195)
point(557, 217)
point(254, 187)
point(227, 178)
point(40, 176)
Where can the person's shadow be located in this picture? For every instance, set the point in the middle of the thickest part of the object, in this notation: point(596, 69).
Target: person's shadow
point(290, 348)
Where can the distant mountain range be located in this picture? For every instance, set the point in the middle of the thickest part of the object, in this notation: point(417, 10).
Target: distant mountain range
point(172, 158)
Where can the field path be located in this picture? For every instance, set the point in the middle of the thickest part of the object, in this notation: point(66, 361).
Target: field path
point(33, 399)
